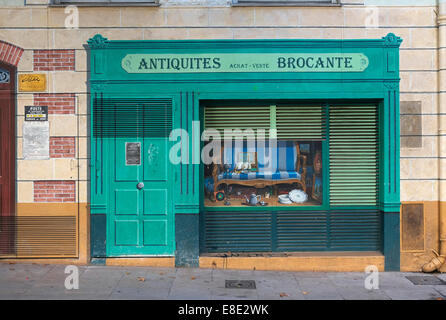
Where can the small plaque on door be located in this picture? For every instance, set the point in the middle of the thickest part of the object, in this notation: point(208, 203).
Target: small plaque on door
point(133, 153)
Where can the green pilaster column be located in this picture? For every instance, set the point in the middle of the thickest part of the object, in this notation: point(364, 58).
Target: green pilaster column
point(390, 156)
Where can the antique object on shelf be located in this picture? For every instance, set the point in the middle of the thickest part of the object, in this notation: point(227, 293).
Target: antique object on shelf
point(253, 199)
point(220, 196)
point(290, 172)
point(298, 196)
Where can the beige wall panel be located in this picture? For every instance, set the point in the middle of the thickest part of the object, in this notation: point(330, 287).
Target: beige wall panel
point(39, 17)
point(25, 191)
point(71, 38)
point(23, 99)
point(260, 33)
point(81, 60)
point(26, 61)
point(15, 17)
point(442, 169)
point(82, 191)
point(405, 168)
point(276, 17)
point(418, 81)
point(77, 38)
point(418, 60)
point(63, 125)
point(27, 38)
point(84, 170)
point(423, 38)
point(210, 33)
point(442, 107)
point(419, 190)
point(442, 122)
point(429, 101)
point(53, 17)
point(405, 83)
point(19, 125)
point(417, 168)
point(332, 33)
point(142, 17)
point(297, 33)
point(429, 149)
point(314, 16)
point(430, 124)
point(234, 16)
point(65, 169)
point(82, 149)
point(67, 81)
point(99, 17)
point(83, 125)
point(35, 169)
point(443, 190)
point(358, 17)
point(19, 148)
point(166, 34)
point(407, 16)
point(186, 17)
point(82, 103)
point(443, 81)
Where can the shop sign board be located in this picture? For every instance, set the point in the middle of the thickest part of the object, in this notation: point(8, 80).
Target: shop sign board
point(245, 62)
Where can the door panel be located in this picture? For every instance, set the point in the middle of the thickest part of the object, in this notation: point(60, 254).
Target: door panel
point(155, 233)
point(126, 232)
point(155, 164)
point(7, 162)
point(126, 202)
point(140, 217)
point(155, 202)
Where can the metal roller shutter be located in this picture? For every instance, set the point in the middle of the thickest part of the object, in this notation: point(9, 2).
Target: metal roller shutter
point(353, 155)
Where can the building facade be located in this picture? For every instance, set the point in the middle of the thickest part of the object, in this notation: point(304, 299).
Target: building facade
point(109, 110)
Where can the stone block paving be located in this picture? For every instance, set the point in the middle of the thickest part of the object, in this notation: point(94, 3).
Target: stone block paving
point(47, 282)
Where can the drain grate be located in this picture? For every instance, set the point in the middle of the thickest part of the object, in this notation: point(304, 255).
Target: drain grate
point(240, 284)
point(425, 280)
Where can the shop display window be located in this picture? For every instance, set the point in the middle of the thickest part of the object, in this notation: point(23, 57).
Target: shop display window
point(265, 173)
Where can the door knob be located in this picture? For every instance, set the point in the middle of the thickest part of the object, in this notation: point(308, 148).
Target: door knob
point(140, 185)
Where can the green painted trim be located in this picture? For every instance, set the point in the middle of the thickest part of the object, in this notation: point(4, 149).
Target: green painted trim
point(391, 241)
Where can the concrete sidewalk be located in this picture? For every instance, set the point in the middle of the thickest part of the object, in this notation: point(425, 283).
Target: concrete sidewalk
point(31, 281)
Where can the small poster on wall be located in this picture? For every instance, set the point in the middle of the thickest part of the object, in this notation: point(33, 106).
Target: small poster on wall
point(36, 113)
point(36, 140)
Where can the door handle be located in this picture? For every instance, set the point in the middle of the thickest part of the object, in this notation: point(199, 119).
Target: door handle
point(140, 185)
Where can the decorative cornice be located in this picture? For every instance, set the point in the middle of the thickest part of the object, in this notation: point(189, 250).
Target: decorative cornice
point(97, 86)
point(392, 40)
point(98, 42)
point(392, 85)
point(240, 44)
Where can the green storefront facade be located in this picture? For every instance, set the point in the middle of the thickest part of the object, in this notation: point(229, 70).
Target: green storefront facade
point(144, 204)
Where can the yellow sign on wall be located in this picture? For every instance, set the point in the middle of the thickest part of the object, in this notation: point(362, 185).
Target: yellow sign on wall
point(32, 82)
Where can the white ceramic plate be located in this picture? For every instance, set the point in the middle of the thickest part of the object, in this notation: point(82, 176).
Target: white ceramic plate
point(298, 196)
point(284, 199)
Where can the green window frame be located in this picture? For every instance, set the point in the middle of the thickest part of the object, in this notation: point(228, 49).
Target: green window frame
point(336, 180)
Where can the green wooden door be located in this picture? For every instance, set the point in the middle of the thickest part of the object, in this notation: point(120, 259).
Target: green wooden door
point(140, 215)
